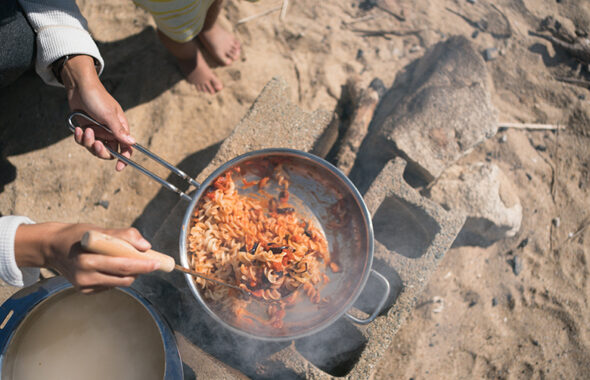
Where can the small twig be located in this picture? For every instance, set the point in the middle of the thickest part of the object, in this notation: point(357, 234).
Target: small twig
point(577, 82)
point(482, 25)
point(473, 24)
point(250, 18)
point(507, 34)
point(574, 235)
point(284, 10)
point(360, 19)
point(379, 33)
point(399, 17)
point(579, 49)
point(531, 126)
point(364, 106)
point(554, 182)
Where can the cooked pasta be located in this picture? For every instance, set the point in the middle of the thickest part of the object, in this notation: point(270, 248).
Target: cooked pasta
point(258, 242)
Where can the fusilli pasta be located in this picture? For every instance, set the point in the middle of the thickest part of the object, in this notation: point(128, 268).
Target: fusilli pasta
point(258, 242)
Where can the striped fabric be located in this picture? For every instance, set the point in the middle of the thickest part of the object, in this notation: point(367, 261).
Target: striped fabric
point(181, 20)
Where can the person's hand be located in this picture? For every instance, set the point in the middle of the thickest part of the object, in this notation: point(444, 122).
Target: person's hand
point(86, 93)
point(57, 246)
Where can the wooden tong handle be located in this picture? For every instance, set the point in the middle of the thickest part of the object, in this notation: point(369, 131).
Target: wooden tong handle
point(98, 242)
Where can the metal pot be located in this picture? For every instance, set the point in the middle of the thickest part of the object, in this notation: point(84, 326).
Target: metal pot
point(51, 331)
point(315, 186)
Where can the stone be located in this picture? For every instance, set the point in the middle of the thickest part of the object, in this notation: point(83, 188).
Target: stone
point(102, 203)
point(485, 195)
point(517, 265)
point(490, 54)
point(415, 49)
point(437, 110)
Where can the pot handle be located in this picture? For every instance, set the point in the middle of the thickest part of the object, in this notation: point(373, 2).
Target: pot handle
point(379, 307)
point(137, 166)
point(11, 314)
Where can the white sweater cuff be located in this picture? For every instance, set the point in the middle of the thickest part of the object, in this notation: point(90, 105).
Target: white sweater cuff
point(61, 40)
point(61, 30)
point(9, 271)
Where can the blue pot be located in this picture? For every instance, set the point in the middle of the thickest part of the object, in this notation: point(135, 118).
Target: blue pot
point(20, 312)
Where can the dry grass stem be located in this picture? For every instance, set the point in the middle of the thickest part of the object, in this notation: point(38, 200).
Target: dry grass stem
point(381, 32)
point(531, 126)
point(284, 10)
point(254, 17)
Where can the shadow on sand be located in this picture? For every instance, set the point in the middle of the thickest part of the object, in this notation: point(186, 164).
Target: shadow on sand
point(34, 114)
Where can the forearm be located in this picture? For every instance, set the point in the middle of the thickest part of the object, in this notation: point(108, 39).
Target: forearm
point(78, 73)
point(32, 244)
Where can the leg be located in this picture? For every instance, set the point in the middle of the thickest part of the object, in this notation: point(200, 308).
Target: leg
point(219, 42)
point(193, 64)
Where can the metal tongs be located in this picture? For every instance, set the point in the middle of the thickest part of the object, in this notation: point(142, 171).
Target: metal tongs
point(145, 151)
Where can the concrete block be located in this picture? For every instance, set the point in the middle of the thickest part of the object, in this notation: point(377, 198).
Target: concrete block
point(412, 235)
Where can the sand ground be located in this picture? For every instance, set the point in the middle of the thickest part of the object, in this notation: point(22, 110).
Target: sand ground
point(477, 318)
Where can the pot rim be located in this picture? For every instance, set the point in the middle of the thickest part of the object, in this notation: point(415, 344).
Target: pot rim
point(185, 229)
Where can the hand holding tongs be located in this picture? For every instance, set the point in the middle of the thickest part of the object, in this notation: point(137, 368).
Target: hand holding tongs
point(145, 151)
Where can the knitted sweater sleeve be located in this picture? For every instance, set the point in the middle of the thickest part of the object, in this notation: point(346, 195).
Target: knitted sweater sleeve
point(61, 30)
point(9, 271)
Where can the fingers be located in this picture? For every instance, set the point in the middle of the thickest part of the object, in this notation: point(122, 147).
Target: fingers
point(110, 266)
point(99, 272)
point(133, 236)
point(78, 135)
point(117, 123)
point(125, 152)
point(87, 139)
point(95, 280)
point(94, 138)
point(91, 290)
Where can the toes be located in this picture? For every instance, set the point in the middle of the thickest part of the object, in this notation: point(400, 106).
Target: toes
point(210, 87)
point(204, 87)
point(234, 51)
point(217, 85)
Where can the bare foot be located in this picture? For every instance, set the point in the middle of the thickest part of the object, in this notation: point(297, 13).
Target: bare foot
point(193, 64)
point(198, 72)
point(221, 44)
